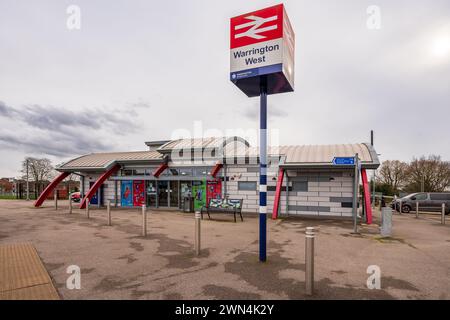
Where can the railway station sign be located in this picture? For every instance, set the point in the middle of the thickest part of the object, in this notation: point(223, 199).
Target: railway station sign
point(344, 161)
point(262, 43)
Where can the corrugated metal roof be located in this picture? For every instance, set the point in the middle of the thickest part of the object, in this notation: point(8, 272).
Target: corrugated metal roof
point(324, 153)
point(103, 160)
point(307, 155)
point(200, 143)
point(310, 154)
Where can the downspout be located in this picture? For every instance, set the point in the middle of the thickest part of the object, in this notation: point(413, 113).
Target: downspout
point(287, 194)
point(82, 188)
point(225, 191)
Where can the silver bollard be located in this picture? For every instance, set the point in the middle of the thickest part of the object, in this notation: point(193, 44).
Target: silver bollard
point(309, 260)
point(108, 211)
point(386, 225)
point(87, 209)
point(443, 214)
point(400, 207)
point(417, 209)
point(197, 233)
point(56, 200)
point(144, 221)
point(70, 203)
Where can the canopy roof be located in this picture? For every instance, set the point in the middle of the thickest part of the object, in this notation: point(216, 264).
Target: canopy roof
point(225, 148)
point(102, 161)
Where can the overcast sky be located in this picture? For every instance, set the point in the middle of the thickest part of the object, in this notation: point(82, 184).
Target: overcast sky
point(139, 70)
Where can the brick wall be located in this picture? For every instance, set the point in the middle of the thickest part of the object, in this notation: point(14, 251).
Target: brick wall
point(249, 173)
point(328, 193)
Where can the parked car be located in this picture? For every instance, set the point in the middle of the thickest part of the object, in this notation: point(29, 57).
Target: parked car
point(76, 197)
point(428, 201)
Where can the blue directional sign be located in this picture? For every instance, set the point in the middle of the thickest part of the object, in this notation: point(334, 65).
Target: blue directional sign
point(344, 161)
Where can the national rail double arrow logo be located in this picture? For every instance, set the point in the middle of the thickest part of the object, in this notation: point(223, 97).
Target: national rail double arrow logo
point(256, 24)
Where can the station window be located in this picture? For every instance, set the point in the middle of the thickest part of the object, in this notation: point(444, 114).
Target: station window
point(247, 186)
point(139, 172)
point(300, 186)
point(127, 172)
point(203, 171)
point(186, 171)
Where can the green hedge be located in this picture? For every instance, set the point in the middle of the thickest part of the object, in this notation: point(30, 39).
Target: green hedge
point(7, 196)
point(13, 197)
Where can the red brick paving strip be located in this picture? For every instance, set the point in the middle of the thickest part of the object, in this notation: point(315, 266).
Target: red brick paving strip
point(22, 274)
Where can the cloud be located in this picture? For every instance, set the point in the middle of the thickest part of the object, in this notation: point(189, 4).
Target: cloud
point(5, 110)
point(62, 132)
point(140, 104)
point(51, 118)
point(135, 107)
point(62, 146)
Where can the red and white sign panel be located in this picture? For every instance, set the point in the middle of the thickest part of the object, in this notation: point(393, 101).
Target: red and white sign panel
point(258, 26)
point(262, 43)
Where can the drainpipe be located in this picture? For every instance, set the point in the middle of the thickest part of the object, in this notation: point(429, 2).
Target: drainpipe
point(225, 191)
point(82, 187)
point(287, 194)
point(116, 193)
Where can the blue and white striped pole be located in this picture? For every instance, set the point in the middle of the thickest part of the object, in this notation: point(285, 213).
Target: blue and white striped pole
point(263, 172)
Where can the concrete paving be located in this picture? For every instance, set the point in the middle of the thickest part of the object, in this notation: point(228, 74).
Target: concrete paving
point(118, 263)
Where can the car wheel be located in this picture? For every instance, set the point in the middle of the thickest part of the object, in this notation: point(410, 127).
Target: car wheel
point(406, 209)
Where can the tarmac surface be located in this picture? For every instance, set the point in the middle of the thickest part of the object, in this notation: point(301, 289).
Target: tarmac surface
point(118, 263)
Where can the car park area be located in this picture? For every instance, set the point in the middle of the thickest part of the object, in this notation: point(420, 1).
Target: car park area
point(117, 262)
point(423, 201)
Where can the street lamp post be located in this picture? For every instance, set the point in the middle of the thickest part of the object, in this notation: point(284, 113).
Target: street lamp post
point(28, 182)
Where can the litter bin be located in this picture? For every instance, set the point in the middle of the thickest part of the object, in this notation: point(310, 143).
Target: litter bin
point(188, 204)
point(386, 222)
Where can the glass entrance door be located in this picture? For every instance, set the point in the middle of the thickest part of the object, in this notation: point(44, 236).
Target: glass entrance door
point(163, 193)
point(151, 194)
point(174, 192)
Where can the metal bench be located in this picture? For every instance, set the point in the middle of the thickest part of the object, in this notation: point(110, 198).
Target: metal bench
point(233, 206)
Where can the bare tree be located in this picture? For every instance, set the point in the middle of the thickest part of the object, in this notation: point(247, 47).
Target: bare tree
point(40, 170)
point(431, 173)
point(393, 174)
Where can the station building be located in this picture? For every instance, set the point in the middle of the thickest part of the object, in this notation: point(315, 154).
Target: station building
point(301, 180)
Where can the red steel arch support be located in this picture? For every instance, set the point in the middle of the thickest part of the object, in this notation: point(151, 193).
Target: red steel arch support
point(160, 170)
point(276, 203)
point(97, 185)
point(216, 169)
point(367, 203)
point(162, 167)
point(50, 188)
